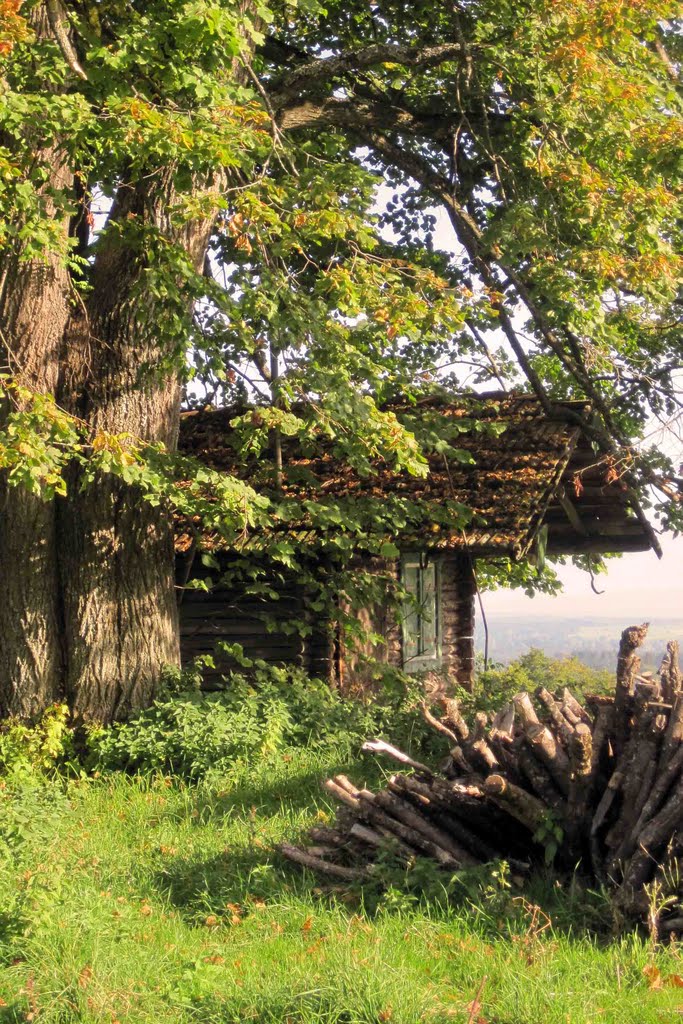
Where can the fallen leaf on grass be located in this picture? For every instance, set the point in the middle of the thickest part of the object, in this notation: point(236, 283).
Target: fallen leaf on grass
point(84, 977)
point(653, 975)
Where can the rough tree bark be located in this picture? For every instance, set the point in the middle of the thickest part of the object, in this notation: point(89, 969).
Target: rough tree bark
point(89, 611)
point(120, 617)
point(33, 314)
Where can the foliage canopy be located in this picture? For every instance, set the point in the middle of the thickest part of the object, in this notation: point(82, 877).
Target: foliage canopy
point(551, 136)
point(245, 197)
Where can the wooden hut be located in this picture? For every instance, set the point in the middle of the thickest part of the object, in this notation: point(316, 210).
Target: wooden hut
point(531, 478)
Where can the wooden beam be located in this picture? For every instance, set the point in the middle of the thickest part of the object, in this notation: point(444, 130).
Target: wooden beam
point(597, 545)
point(570, 512)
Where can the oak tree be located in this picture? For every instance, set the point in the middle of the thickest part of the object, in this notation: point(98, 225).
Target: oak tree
point(189, 192)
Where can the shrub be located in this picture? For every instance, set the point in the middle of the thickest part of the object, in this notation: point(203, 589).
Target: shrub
point(190, 734)
point(48, 745)
point(498, 685)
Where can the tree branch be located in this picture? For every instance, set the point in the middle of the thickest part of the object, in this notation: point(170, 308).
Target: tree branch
point(58, 19)
point(291, 84)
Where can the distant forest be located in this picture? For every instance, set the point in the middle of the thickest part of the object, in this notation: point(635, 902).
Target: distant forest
point(593, 640)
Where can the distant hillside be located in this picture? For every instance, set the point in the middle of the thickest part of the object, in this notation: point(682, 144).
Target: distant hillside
point(593, 640)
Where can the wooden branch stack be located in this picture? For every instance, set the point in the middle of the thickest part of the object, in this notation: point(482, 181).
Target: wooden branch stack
point(606, 776)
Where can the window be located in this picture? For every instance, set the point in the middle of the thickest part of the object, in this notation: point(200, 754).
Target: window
point(421, 615)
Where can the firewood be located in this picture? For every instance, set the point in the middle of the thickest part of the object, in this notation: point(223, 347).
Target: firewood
point(554, 709)
point(569, 715)
point(527, 809)
point(411, 836)
point(380, 747)
point(628, 664)
point(631, 767)
point(419, 791)
point(674, 732)
point(437, 724)
point(652, 838)
point(435, 807)
point(378, 839)
point(341, 794)
point(410, 816)
point(640, 755)
point(538, 778)
point(481, 720)
point(461, 762)
point(649, 689)
point(670, 673)
point(525, 710)
point(327, 836)
point(599, 700)
point(581, 760)
point(600, 739)
point(481, 756)
point(503, 725)
point(320, 851)
point(452, 718)
point(465, 800)
point(657, 795)
point(606, 801)
point(345, 783)
point(507, 758)
point(570, 701)
point(549, 752)
point(322, 866)
point(611, 778)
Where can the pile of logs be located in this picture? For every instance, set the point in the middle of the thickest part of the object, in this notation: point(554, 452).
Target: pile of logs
point(597, 785)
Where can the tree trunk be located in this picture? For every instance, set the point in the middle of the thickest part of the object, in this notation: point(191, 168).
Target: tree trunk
point(115, 549)
point(33, 314)
point(89, 611)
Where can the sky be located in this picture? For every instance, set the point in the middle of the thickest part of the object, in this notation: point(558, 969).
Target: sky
point(638, 587)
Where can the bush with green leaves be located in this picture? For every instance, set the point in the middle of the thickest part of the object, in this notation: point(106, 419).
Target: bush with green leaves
point(264, 711)
point(47, 745)
point(191, 733)
point(496, 686)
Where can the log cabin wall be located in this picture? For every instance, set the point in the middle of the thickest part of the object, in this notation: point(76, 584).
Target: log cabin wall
point(227, 615)
point(456, 612)
point(458, 591)
point(234, 618)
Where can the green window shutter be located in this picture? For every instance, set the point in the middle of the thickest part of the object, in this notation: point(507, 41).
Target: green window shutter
point(411, 615)
point(428, 612)
point(421, 615)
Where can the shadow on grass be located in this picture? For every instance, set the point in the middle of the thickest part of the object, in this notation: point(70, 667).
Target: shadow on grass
point(298, 789)
point(240, 875)
point(13, 1014)
point(252, 869)
point(309, 1008)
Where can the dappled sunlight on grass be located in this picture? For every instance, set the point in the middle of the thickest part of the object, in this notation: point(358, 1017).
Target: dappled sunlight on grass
point(153, 900)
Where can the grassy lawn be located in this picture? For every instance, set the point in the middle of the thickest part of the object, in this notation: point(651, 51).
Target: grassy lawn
point(145, 899)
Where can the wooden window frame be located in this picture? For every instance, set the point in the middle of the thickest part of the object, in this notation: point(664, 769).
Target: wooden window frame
point(427, 658)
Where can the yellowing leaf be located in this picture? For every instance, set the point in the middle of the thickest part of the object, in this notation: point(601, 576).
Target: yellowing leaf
point(653, 975)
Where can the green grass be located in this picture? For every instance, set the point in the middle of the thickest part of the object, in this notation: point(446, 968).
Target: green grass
point(149, 900)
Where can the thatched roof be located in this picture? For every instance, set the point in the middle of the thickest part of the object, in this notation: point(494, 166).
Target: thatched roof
point(530, 469)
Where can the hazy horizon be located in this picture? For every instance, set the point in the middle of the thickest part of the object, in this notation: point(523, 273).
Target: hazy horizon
point(640, 587)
